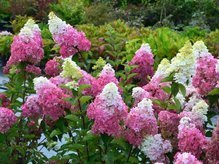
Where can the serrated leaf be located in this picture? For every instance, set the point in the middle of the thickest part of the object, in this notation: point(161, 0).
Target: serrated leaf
point(182, 88)
point(174, 89)
point(214, 92)
point(72, 117)
point(85, 99)
point(167, 89)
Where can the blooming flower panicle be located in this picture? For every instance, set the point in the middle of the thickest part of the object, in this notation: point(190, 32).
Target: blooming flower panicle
point(108, 110)
point(106, 76)
point(31, 107)
point(144, 60)
point(140, 122)
point(184, 64)
point(27, 46)
point(155, 148)
point(186, 158)
point(53, 68)
point(200, 50)
point(68, 38)
point(190, 138)
point(7, 119)
point(206, 77)
point(33, 69)
point(139, 94)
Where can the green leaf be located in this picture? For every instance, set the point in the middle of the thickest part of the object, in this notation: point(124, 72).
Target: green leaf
point(83, 87)
point(89, 136)
point(182, 88)
point(174, 89)
point(167, 89)
point(55, 132)
point(85, 99)
point(72, 117)
point(214, 92)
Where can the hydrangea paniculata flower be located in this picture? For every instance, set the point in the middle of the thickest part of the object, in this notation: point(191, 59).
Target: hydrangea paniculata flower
point(33, 69)
point(212, 148)
point(186, 158)
point(190, 138)
point(53, 68)
point(141, 122)
point(27, 46)
point(155, 148)
point(144, 61)
point(68, 38)
point(168, 124)
point(106, 76)
point(139, 94)
point(31, 107)
point(7, 119)
point(108, 110)
point(200, 50)
point(184, 64)
point(206, 77)
point(50, 98)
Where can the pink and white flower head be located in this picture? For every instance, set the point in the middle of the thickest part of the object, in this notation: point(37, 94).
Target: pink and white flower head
point(27, 46)
point(190, 139)
point(140, 122)
point(108, 110)
point(144, 60)
point(155, 148)
point(186, 158)
point(7, 119)
point(31, 107)
point(50, 98)
point(69, 39)
point(106, 76)
point(206, 76)
point(139, 94)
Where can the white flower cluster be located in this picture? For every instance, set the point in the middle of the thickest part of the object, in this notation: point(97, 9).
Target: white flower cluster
point(29, 28)
point(39, 81)
point(201, 108)
point(137, 92)
point(145, 47)
point(184, 64)
point(5, 33)
point(71, 69)
point(110, 95)
point(107, 69)
point(199, 49)
point(154, 147)
point(185, 122)
point(146, 104)
point(164, 69)
point(56, 25)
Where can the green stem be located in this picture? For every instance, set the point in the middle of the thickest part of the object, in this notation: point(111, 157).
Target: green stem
point(130, 152)
point(84, 126)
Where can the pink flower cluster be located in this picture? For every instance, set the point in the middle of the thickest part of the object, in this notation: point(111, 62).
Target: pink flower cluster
point(108, 111)
point(88, 80)
point(31, 107)
point(212, 148)
point(106, 76)
point(206, 77)
point(191, 140)
point(68, 38)
point(33, 69)
point(5, 102)
point(186, 158)
point(144, 61)
point(168, 124)
point(48, 101)
point(7, 119)
point(53, 68)
point(140, 122)
point(26, 47)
